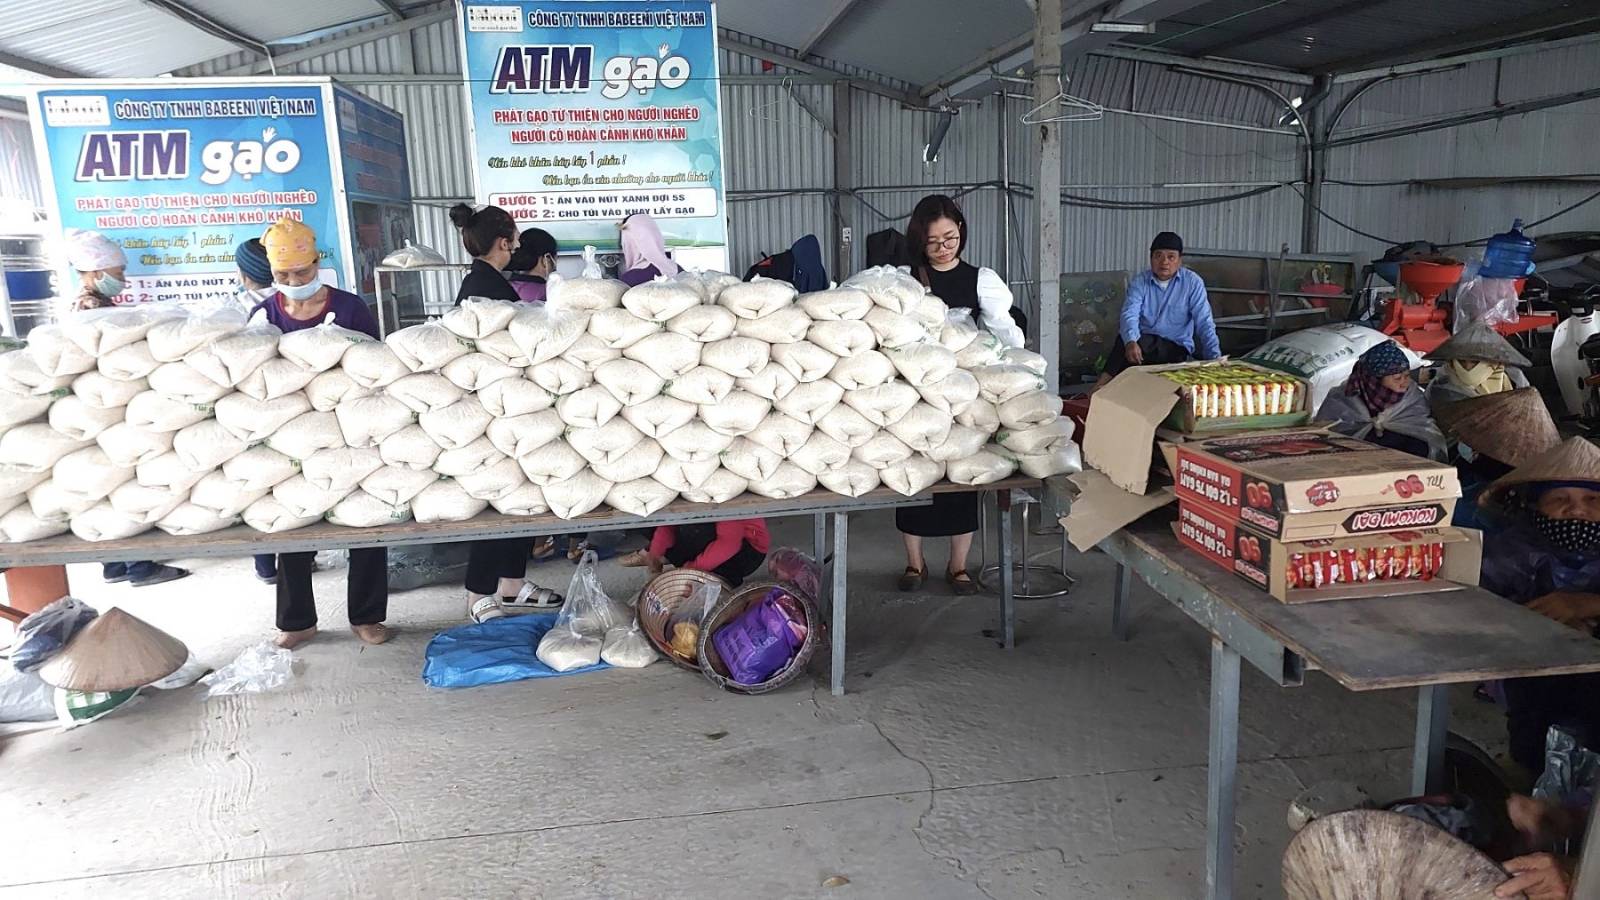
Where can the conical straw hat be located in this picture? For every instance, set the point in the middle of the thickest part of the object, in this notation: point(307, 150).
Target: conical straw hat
point(115, 652)
point(1511, 426)
point(1377, 854)
point(1574, 459)
point(1479, 341)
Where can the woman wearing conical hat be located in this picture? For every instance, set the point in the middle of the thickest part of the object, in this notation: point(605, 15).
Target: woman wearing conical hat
point(1475, 362)
point(1547, 557)
point(1492, 435)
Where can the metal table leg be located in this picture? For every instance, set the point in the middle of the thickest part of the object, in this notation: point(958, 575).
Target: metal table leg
point(1433, 723)
point(1222, 770)
point(1119, 604)
point(841, 536)
point(819, 552)
point(1008, 611)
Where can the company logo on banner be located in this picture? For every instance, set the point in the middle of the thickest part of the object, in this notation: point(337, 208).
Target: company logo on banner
point(587, 111)
point(180, 176)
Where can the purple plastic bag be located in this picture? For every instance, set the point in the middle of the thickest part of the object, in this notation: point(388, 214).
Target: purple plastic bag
point(758, 642)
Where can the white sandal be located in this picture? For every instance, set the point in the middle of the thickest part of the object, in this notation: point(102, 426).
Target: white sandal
point(484, 608)
point(532, 599)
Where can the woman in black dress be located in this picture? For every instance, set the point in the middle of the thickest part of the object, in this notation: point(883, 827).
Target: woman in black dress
point(935, 237)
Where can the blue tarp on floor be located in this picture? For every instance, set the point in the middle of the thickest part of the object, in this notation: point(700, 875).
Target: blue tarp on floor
point(491, 652)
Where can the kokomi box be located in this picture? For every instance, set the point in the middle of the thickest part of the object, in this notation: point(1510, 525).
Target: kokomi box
point(1303, 485)
point(1373, 565)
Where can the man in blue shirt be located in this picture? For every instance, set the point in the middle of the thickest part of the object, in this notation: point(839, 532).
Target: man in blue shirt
point(1166, 313)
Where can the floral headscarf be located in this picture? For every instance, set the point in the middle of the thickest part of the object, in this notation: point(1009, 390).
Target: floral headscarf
point(1366, 379)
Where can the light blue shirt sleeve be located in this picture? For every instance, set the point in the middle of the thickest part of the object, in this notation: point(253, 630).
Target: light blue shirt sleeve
point(1205, 328)
point(1132, 306)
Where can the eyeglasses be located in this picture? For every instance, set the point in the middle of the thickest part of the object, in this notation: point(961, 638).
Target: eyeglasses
point(947, 243)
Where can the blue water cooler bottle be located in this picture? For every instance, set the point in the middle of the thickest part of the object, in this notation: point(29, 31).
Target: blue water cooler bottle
point(1508, 254)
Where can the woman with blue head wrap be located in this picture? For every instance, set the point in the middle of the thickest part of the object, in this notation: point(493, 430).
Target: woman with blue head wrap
point(1380, 403)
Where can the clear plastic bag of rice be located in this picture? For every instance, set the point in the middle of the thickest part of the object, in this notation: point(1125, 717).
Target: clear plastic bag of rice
point(206, 445)
point(997, 384)
point(458, 424)
point(410, 448)
point(302, 498)
point(984, 467)
point(583, 295)
point(885, 404)
point(130, 362)
point(694, 442)
point(1061, 460)
point(460, 461)
point(90, 472)
point(51, 500)
point(788, 482)
point(80, 421)
point(397, 486)
point(852, 479)
point(322, 346)
point(181, 381)
point(922, 363)
point(327, 390)
point(626, 647)
point(373, 364)
point(341, 468)
point(951, 394)
point(703, 323)
point(94, 389)
point(985, 350)
point(21, 524)
point(629, 381)
point(683, 476)
point(269, 516)
point(781, 433)
point(659, 415)
point(750, 460)
point(101, 331)
point(589, 353)
point(922, 428)
point(639, 462)
point(847, 426)
point(20, 374)
point(554, 462)
point(511, 397)
point(229, 360)
point(606, 443)
point(55, 354)
point(959, 331)
point(37, 447)
point(784, 326)
point(895, 330)
point(502, 346)
point(445, 501)
point(757, 297)
point(427, 346)
point(152, 503)
point(738, 414)
point(670, 355)
point(307, 433)
point(740, 357)
point(888, 287)
point(661, 299)
point(572, 497)
point(1017, 356)
point(1029, 410)
point(173, 338)
point(189, 520)
point(493, 482)
point(253, 421)
point(475, 318)
point(591, 407)
point(772, 382)
point(882, 451)
point(843, 338)
point(863, 370)
point(20, 409)
point(980, 414)
point(425, 392)
point(564, 650)
point(260, 468)
point(476, 371)
point(559, 378)
point(273, 378)
point(1037, 439)
point(362, 510)
point(841, 303)
point(217, 492)
point(620, 329)
point(516, 435)
point(526, 500)
point(104, 523)
point(961, 442)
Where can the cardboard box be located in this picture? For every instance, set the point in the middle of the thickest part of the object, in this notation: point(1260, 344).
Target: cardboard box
point(1302, 485)
point(1264, 562)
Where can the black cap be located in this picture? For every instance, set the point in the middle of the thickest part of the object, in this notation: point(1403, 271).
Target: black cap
point(1167, 240)
point(534, 245)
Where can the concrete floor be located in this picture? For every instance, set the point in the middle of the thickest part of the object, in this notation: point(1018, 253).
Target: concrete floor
point(1071, 766)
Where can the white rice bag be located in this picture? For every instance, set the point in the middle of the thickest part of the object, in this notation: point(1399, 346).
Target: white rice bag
point(739, 413)
point(721, 487)
point(252, 421)
point(341, 468)
point(502, 346)
point(326, 390)
point(960, 443)
point(19, 409)
point(458, 424)
point(302, 498)
point(811, 401)
point(785, 326)
point(626, 646)
point(788, 482)
point(206, 445)
point(269, 516)
point(37, 447)
point(526, 500)
point(493, 482)
point(659, 415)
point(572, 497)
point(591, 407)
point(511, 397)
point(985, 350)
point(425, 392)
point(516, 435)
point(885, 404)
point(127, 445)
point(983, 467)
point(804, 360)
point(628, 381)
point(997, 384)
point(895, 330)
point(589, 353)
point(1017, 356)
point(913, 476)
point(693, 282)
point(670, 355)
point(396, 485)
point(843, 339)
point(882, 451)
point(852, 479)
point(362, 510)
point(660, 300)
point(703, 323)
point(373, 364)
point(190, 520)
point(50, 500)
point(980, 414)
point(951, 394)
point(740, 357)
point(476, 318)
point(781, 433)
point(820, 454)
point(847, 426)
point(559, 377)
point(217, 492)
point(80, 421)
point(103, 523)
point(555, 461)
point(260, 468)
point(694, 442)
point(150, 504)
point(167, 471)
point(888, 287)
point(583, 294)
point(682, 476)
point(90, 472)
point(1029, 410)
point(183, 382)
point(19, 374)
point(1063, 459)
point(959, 331)
point(563, 649)
point(55, 354)
point(460, 461)
point(701, 385)
point(476, 371)
point(717, 282)
point(757, 297)
point(133, 361)
point(100, 331)
point(21, 525)
point(635, 465)
point(1037, 439)
point(172, 338)
point(273, 378)
point(842, 303)
point(307, 433)
point(772, 382)
point(620, 329)
point(749, 460)
point(427, 347)
point(320, 347)
point(228, 360)
point(606, 443)
point(923, 363)
point(922, 428)
point(930, 313)
point(863, 370)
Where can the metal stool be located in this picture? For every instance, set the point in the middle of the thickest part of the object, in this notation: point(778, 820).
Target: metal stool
point(1057, 581)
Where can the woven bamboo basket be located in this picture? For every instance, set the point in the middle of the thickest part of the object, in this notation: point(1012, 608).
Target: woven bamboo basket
point(711, 664)
point(667, 600)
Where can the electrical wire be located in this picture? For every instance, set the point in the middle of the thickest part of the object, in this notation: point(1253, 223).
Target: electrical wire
point(1345, 225)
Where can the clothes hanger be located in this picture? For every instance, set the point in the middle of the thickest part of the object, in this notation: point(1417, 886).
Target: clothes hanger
point(1073, 109)
point(758, 112)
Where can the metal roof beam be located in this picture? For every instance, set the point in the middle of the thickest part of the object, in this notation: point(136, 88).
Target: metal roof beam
point(41, 69)
point(1218, 66)
point(323, 48)
point(392, 8)
point(210, 26)
point(1477, 38)
point(729, 40)
point(841, 11)
point(1349, 7)
point(1451, 62)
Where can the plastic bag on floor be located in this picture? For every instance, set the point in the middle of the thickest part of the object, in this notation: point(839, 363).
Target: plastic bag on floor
point(626, 647)
point(492, 652)
point(413, 566)
point(257, 669)
point(589, 609)
point(1571, 771)
point(24, 697)
point(43, 634)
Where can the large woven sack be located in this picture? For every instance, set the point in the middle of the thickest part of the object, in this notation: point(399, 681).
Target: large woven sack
point(526, 500)
point(516, 435)
point(206, 445)
point(703, 323)
point(843, 339)
point(320, 347)
point(302, 498)
point(183, 382)
point(37, 447)
point(93, 388)
point(583, 492)
point(738, 414)
point(260, 468)
point(553, 462)
point(427, 347)
point(20, 524)
point(629, 381)
point(544, 335)
point(458, 424)
point(660, 300)
point(190, 520)
point(640, 497)
point(217, 492)
point(476, 318)
point(103, 523)
point(19, 374)
point(271, 517)
point(56, 355)
point(445, 501)
point(606, 443)
point(721, 487)
point(167, 471)
point(620, 329)
point(847, 426)
point(583, 294)
point(638, 463)
point(694, 442)
point(750, 460)
point(852, 479)
point(821, 453)
point(922, 364)
point(1037, 439)
point(785, 326)
point(895, 330)
point(788, 482)
point(80, 421)
point(511, 397)
point(913, 476)
point(961, 442)
point(172, 338)
point(460, 461)
point(19, 409)
point(341, 468)
point(502, 346)
point(888, 287)
point(51, 500)
point(740, 357)
point(396, 485)
point(683, 476)
point(812, 401)
point(842, 303)
point(951, 394)
point(307, 433)
point(476, 371)
point(772, 382)
point(805, 361)
point(701, 385)
point(253, 421)
point(589, 353)
point(1063, 459)
point(425, 392)
point(781, 433)
point(659, 415)
point(885, 404)
point(150, 504)
point(157, 413)
point(863, 370)
point(273, 378)
point(983, 467)
point(373, 364)
point(90, 472)
point(362, 510)
point(882, 451)
point(327, 390)
point(131, 362)
point(980, 414)
point(591, 407)
point(1029, 410)
point(670, 355)
point(493, 482)
point(756, 298)
point(922, 428)
point(228, 360)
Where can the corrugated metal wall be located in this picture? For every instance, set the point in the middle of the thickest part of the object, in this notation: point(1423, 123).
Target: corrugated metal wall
point(19, 166)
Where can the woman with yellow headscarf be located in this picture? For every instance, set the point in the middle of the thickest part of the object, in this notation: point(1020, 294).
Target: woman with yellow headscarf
point(1477, 362)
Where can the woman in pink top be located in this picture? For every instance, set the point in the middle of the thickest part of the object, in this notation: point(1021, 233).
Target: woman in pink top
point(730, 550)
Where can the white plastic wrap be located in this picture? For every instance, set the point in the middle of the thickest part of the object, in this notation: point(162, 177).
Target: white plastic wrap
point(852, 479)
point(526, 500)
point(553, 462)
point(882, 451)
point(37, 447)
point(55, 354)
point(961, 442)
point(273, 378)
point(629, 381)
point(895, 330)
point(183, 382)
point(781, 433)
point(21, 524)
point(103, 523)
point(804, 360)
point(757, 298)
point(502, 346)
point(511, 397)
point(842, 303)
point(307, 433)
point(260, 468)
point(397, 486)
point(227, 361)
point(997, 384)
point(1029, 410)
point(269, 516)
point(738, 414)
point(591, 407)
point(703, 323)
point(980, 414)
point(683, 476)
point(951, 394)
point(80, 421)
point(479, 454)
point(190, 520)
point(583, 294)
point(19, 374)
point(659, 415)
point(640, 497)
point(341, 468)
point(173, 338)
point(445, 501)
point(560, 378)
point(785, 326)
point(639, 462)
point(516, 435)
point(749, 460)
point(224, 496)
point(812, 401)
point(843, 339)
point(304, 499)
point(983, 467)
point(847, 426)
point(362, 510)
point(885, 404)
point(167, 471)
point(475, 318)
point(458, 424)
point(327, 390)
point(922, 363)
point(821, 453)
point(320, 347)
point(620, 329)
point(589, 353)
point(206, 445)
point(493, 482)
point(373, 365)
point(427, 347)
point(252, 421)
point(131, 362)
point(694, 442)
point(626, 646)
point(721, 487)
point(740, 357)
point(888, 287)
point(913, 476)
point(922, 428)
point(772, 382)
point(572, 497)
point(476, 371)
point(660, 300)
point(425, 392)
point(670, 355)
point(701, 385)
point(90, 472)
point(605, 444)
point(788, 482)
point(863, 370)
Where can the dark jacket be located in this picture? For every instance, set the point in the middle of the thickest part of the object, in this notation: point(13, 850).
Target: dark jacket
point(484, 280)
point(1520, 566)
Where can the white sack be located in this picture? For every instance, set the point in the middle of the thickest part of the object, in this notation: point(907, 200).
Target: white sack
point(628, 381)
point(739, 357)
point(476, 318)
point(738, 414)
point(516, 435)
point(80, 421)
point(103, 523)
point(302, 498)
point(960, 443)
point(670, 355)
point(692, 281)
point(572, 497)
point(19, 409)
point(847, 426)
point(427, 347)
point(772, 382)
point(90, 472)
point(703, 323)
point(253, 421)
point(781, 433)
point(997, 384)
point(1029, 410)
point(148, 503)
point(589, 353)
point(922, 428)
point(560, 378)
point(750, 460)
point(843, 339)
point(341, 468)
point(882, 451)
point(951, 394)
point(660, 300)
point(885, 404)
point(721, 487)
point(959, 331)
point(216, 492)
point(583, 294)
point(930, 313)
point(1061, 460)
point(206, 445)
point(134, 361)
point(458, 424)
point(100, 331)
point(21, 525)
point(888, 287)
point(980, 414)
point(985, 350)
point(983, 467)
point(812, 401)
point(227, 361)
point(327, 390)
point(788, 482)
point(659, 415)
point(842, 303)
point(269, 516)
point(476, 371)
point(55, 354)
point(510, 397)
point(183, 382)
point(717, 282)
point(362, 510)
point(425, 392)
point(1037, 439)
point(852, 479)
point(701, 385)
point(167, 471)
point(372, 364)
point(479, 454)
point(591, 407)
point(682, 476)
point(320, 347)
point(757, 298)
point(923, 363)
point(50, 500)
point(190, 520)
point(37, 447)
point(640, 497)
point(19, 374)
point(863, 370)
point(273, 378)
point(633, 465)
point(804, 360)
point(785, 326)
point(491, 483)
point(694, 442)
point(620, 329)
point(895, 330)
point(307, 433)
point(173, 338)
point(820, 454)
point(604, 444)
point(502, 346)
point(913, 476)
point(260, 468)
point(554, 462)
point(1017, 356)
point(526, 500)
point(397, 486)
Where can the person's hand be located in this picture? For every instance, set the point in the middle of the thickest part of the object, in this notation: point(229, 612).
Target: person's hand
point(1570, 608)
point(1540, 876)
point(1540, 821)
point(657, 564)
point(1133, 353)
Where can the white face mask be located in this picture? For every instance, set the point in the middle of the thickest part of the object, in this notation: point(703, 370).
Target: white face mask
point(109, 285)
point(298, 292)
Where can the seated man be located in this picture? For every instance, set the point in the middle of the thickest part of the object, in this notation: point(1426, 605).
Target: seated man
point(730, 550)
point(1165, 314)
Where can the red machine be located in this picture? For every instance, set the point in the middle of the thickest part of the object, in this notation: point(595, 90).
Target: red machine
point(1422, 325)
